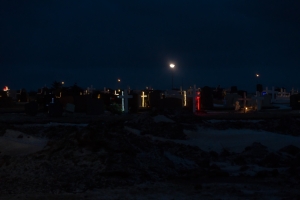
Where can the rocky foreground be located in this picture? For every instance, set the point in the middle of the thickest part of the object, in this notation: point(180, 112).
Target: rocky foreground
point(143, 158)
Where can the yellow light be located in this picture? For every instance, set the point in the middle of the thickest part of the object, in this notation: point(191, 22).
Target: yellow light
point(143, 99)
point(257, 75)
point(172, 65)
point(118, 90)
point(184, 96)
point(62, 83)
point(119, 80)
point(98, 96)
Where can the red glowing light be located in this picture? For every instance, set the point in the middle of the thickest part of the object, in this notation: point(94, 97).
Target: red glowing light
point(198, 103)
point(5, 88)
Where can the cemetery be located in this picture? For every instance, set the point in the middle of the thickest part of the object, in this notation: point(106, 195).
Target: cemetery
point(119, 143)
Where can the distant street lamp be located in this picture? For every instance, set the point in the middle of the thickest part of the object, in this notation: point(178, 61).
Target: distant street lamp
point(119, 84)
point(172, 66)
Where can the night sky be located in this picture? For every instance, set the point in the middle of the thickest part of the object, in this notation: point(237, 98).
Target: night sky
point(211, 42)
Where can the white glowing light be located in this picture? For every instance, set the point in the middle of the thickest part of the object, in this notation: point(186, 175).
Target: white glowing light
point(172, 65)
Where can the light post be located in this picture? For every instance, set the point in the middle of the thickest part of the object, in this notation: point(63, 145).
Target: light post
point(172, 66)
point(257, 76)
point(118, 84)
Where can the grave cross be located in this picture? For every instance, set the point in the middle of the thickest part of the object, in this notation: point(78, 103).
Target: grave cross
point(258, 100)
point(244, 100)
point(125, 98)
point(90, 90)
point(194, 95)
point(143, 99)
point(272, 92)
point(294, 91)
point(282, 94)
point(183, 96)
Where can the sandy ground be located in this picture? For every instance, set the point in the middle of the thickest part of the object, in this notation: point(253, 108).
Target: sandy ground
point(17, 143)
point(232, 140)
point(236, 140)
point(166, 191)
point(162, 118)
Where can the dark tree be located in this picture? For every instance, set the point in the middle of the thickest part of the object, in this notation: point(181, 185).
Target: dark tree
point(56, 85)
point(76, 90)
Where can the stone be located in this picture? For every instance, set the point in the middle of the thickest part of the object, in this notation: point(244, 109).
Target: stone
point(70, 108)
point(237, 106)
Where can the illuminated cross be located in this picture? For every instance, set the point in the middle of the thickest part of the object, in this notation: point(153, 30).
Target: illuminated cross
point(184, 98)
point(143, 99)
point(125, 98)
